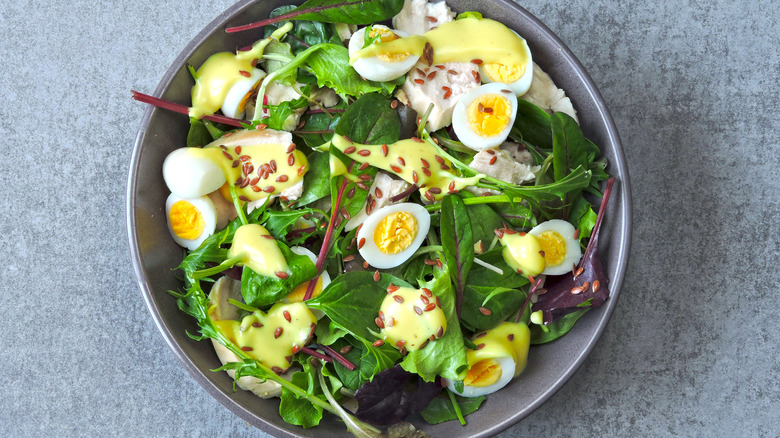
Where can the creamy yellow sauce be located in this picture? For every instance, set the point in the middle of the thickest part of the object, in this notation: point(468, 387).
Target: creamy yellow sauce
point(523, 253)
point(408, 159)
point(243, 166)
point(507, 340)
point(270, 337)
point(218, 74)
point(406, 321)
point(258, 251)
point(459, 41)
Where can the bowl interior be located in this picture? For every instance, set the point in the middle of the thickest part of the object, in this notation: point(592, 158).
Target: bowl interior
point(154, 254)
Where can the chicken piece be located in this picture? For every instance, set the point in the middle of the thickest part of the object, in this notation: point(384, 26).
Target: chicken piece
point(441, 85)
point(223, 290)
point(379, 194)
point(546, 95)
point(503, 166)
point(419, 16)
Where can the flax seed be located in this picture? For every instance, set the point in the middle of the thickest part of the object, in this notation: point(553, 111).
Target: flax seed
point(243, 198)
point(378, 193)
point(350, 150)
point(361, 242)
point(392, 288)
point(247, 348)
point(476, 76)
point(394, 104)
point(451, 187)
point(485, 311)
point(278, 332)
point(429, 262)
point(290, 160)
point(431, 75)
point(429, 196)
point(291, 148)
point(431, 19)
point(425, 299)
point(440, 332)
point(419, 81)
point(281, 274)
point(378, 343)
point(396, 169)
point(476, 61)
point(418, 310)
point(365, 177)
point(414, 177)
point(287, 316)
point(398, 299)
point(269, 189)
point(576, 290)
point(257, 324)
point(295, 349)
point(377, 275)
point(345, 349)
point(227, 155)
point(364, 152)
point(418, 140)
point(361, 185)
point(426, 171)
point(430, 307)
point(480, 346)
point(596, 286)
point(379, 323)
point(271, 166)
point(452, 72)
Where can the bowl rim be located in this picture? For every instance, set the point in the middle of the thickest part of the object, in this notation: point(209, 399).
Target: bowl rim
point(622, 188)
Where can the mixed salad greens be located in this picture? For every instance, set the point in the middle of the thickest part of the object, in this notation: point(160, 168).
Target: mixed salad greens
point(355, 251)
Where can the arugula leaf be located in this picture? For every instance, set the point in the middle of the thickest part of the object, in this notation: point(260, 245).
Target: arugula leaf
point(259, 290)
point(458, 243)
point(370, 120)
point(440, 408)
point(334, 11)
point(445, 356)
point(330, 64)
point(297, 410)
point(556, 329)
point(304, 33)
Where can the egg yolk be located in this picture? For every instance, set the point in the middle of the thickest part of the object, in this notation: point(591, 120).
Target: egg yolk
point(296, 296)
point(186, 220)
point(395, 232)
point(489, 114)
point(387, 36)
point(554, 247)
point(483, 373)
point(503, 73)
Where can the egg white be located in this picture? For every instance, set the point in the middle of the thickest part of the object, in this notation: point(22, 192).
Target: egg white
point(460, 117)
point(371, 252)
point(521, 85)
point(507, 365)
point(189, 176)
point(573, 250)
point(207, 210)
point(375, 69)
point(231, 106)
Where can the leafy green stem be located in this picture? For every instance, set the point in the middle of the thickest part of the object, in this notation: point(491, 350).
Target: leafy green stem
point(208, 272)
point(237, 205)
point(456, 408)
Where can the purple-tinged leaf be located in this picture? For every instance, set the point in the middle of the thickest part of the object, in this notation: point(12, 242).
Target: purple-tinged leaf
point(569, 293)
point(393, 395)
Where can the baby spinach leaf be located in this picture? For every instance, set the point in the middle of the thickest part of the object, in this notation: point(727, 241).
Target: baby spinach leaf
point(502, 302)
point(482, 276)
point(198, 134)
point(483, 220)
point(351, 379)
point(556, 329)
point(335, 11)
point(445, 356)
point(440, 408)
point(458, 243)
point(393, 395)
point(533, 125)
point(316, 182)
point(328, 333)
point(260, 290)
point(370, 120)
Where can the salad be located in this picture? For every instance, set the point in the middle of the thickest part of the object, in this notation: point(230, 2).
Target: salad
point(383, 205)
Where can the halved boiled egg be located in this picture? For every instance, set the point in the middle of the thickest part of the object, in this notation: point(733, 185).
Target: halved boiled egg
point(561, 250)
point(484, 116)
point(300, 291)
point(392, 234)
point(190, 221)
point(516, 77)
point(190, 176)
point(501, 354)
point(238, 95)
point(385, 66)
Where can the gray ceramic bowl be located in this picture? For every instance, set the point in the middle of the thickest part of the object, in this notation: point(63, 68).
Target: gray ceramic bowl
point(154, 254)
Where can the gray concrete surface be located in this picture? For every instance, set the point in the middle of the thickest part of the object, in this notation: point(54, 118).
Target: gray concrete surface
point(692, 349)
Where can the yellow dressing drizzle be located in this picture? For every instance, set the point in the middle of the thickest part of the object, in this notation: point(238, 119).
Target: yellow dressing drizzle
point(406, 321)
point(523, 253)
point(508, 339)
point(257, 251)
point(407, 159)
point(270, 337)
point(459, 41)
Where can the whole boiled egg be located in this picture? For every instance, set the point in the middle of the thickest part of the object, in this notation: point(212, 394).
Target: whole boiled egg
point(516, 77)
point(239, 94)
point(561, 250)
point(484, 116)
point(390, 235)
point(191, 176)
point(385, 66)
point(190, 221)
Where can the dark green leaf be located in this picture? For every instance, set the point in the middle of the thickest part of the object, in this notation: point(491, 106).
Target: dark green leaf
point(533, 124)
point(198, 134)
point(370, 120)
point(304, 33)
point(440, 408)
point(458, 243)
point(569, 145)
point(555, 329)
point(348, 11)
point(259, 290)
point(316, 182)
point(501, 301)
